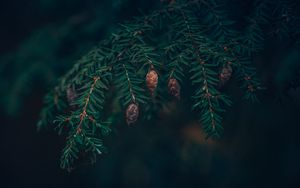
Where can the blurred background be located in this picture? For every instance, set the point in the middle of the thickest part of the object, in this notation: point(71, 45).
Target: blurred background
point(41, 39)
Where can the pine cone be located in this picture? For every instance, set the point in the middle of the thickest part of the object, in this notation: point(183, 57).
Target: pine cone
point(152, 80)
point(174, 88)
point(132, 113)
point(225, 74)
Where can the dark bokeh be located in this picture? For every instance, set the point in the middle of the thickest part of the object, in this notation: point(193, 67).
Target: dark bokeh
point(259, 148)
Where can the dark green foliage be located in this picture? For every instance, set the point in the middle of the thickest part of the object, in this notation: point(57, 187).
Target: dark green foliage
point(51, 48)
point(85, 124)
point(54, 104)
point(189, 40)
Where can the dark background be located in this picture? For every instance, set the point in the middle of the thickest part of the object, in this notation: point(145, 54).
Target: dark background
point(259, 147)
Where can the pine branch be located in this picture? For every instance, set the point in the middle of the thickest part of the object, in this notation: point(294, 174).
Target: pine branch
point(207, 96)
point(86, 65)
point(129, 62)
point(216, 19)
point(246, 75)
point(84, 114)
point(85, 118)
point(253, 35)
point(54, 104)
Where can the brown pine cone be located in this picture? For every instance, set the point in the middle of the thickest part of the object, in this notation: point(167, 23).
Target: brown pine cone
point(132, 113)
point(174, 88)
point(225, 74)
point(152, 80)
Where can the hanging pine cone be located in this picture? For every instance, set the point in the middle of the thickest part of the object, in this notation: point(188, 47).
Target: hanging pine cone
point(152, 80)
point(225, 74)
point(174, 88)
point(132, 113)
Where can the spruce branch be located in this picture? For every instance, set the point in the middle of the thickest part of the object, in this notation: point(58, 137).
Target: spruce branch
point(86, 65)
point(207, 96)
point(216, 19)
point(84, 114)
point(137, 56)
point(253, 35)
point(85, 119)
point(54, 104)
